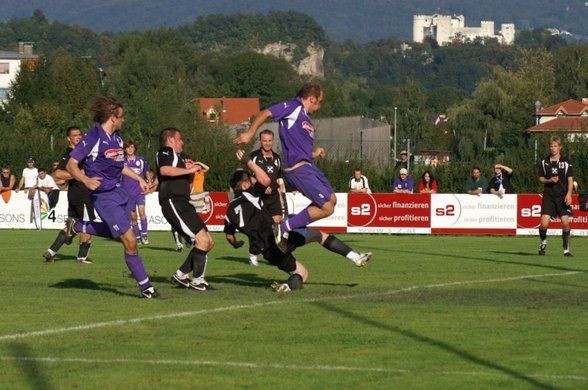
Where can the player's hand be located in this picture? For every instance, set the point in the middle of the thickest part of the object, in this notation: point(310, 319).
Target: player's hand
point(555, 179)
point(268, 190)
point(242, 138)
point(144, 185)
point(92, 183)
point(568, 200)
point(242, 156)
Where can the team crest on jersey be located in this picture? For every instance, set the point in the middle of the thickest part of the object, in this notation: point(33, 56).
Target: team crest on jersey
point(115, 154)
point(308, 127)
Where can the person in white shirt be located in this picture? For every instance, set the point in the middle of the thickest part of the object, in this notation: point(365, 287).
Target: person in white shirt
point(358, 183)
point(46, 184)
point(29, 176)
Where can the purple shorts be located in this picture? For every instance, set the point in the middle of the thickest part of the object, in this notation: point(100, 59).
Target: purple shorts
point(114, 210)
point(136, 200)
point(311, 182)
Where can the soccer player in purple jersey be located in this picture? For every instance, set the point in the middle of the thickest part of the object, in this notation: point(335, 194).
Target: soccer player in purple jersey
point(297, 135)
point(137, 197)
point(102, 157)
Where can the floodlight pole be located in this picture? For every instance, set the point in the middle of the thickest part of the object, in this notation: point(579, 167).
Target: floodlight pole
point(395, 110)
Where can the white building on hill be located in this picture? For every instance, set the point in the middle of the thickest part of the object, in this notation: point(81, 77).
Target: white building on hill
point(10, 64)
point(445, 28)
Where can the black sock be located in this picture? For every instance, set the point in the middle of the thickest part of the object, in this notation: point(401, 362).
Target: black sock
point(565, 236)
point(543, 234)
point(59, 241)
point(186, 267)
point(333, 244)
point(84, 250)
point(294, 282)
point(198, 262)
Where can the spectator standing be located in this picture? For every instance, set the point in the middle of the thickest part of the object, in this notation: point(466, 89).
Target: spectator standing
point(79, 204)
point(403, 161)
point(427, 184)
point(403, 184)
point(29, 176)
point(7, 183)
point(358, 183)
point(556, 173)
point(46, 184)
point(500, 184)
point(476, 184)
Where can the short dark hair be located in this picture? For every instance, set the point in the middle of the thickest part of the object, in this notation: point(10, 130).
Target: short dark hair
point(310, 89)
point(266, 131)
point(237, 178)
point(41, 170)
point(70, 129)
point(128, 143)
point(166, 133)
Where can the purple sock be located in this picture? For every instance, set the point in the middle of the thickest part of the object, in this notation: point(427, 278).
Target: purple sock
point(136, 231)
point(300, 220)
point(135, 264)
point(144, 227)
point(93, 228)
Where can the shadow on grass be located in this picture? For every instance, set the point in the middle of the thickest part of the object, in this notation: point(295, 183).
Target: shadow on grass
point(85, 284)
point(497, 261)
point(29, 366)
point(465, 355)
point(244, 259)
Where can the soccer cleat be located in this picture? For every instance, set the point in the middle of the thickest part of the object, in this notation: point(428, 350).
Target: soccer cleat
point(363, 259)
point(280, 237)
point(149, 293)
point(280, 287)
point(179, 247)
point(69, 230)
point(253, 260)
point(200, 285)
point(49, 258)
point(180, 281)
point(144, 240)
point(84, 260)
point(568, 254)
point(542, 249)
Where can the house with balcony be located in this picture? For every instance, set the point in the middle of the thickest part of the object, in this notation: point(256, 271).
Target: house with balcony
point(11, 63)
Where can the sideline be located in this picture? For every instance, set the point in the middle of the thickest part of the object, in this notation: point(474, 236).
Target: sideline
point(18, 336)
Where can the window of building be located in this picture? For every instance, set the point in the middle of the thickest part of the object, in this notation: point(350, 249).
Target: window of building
point(4, 68)
point(3, 94)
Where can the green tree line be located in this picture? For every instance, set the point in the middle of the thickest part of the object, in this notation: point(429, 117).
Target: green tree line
point(487, 90)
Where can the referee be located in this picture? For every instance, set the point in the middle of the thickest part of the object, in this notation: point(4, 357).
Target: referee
point(557, 176)
point(174, 170)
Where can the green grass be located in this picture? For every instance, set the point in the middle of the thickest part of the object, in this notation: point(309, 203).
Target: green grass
point(436, 312)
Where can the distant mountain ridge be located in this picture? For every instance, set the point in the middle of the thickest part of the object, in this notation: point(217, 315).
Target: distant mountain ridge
point(360, 21)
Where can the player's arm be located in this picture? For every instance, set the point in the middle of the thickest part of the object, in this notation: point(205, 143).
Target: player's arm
point(205, 168)
point(245, 137)
point(168, 170)
point(128, 172)
point(318, 152)
point(91, 183)
point(568, 198)
point(260, 175)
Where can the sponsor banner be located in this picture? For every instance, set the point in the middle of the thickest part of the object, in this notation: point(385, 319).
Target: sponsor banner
point(397, 213)
point(16, 214)
point(337, 222)
point(388, 230)
point(529, 217)
point(470, 214)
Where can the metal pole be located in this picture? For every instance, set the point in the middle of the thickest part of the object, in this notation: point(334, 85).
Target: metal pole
point(361, 148)
point(395, 109)
point(408, 154)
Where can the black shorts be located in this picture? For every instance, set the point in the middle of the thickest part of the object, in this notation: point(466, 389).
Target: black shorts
point(272, 204)
point(182, 217)
point(555, 206)
point(76, 210)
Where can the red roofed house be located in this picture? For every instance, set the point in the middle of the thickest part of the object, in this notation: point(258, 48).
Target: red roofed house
point(570, 116)
point(230, 111)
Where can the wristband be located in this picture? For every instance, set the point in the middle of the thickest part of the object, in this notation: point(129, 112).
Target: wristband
point(245, 159)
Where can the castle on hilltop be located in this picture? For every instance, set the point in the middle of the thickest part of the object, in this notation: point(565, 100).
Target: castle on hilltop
point(445, 28)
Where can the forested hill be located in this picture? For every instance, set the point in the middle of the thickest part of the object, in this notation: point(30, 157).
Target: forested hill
point(358, 20)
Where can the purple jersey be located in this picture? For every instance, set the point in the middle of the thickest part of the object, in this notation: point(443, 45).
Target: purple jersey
point(101, 155)
point(139, 166)
point(296, 131)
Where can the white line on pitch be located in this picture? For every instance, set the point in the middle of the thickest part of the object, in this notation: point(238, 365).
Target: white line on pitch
point(262, 304)
point(322, 367)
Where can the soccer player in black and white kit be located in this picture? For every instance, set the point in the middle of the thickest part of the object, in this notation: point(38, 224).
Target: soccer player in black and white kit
point(271, 195)
point(78, 199)
point(174, 172)
point(557, 175)
point(247, 214)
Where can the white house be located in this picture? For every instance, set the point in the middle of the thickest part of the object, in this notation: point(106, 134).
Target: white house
point(11, 63)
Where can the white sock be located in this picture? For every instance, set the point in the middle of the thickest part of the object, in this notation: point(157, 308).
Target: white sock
point(353, 256)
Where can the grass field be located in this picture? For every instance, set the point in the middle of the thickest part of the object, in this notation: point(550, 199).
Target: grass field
point(428, 312)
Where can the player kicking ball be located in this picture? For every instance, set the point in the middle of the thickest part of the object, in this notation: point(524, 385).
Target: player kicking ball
point(246, 214)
